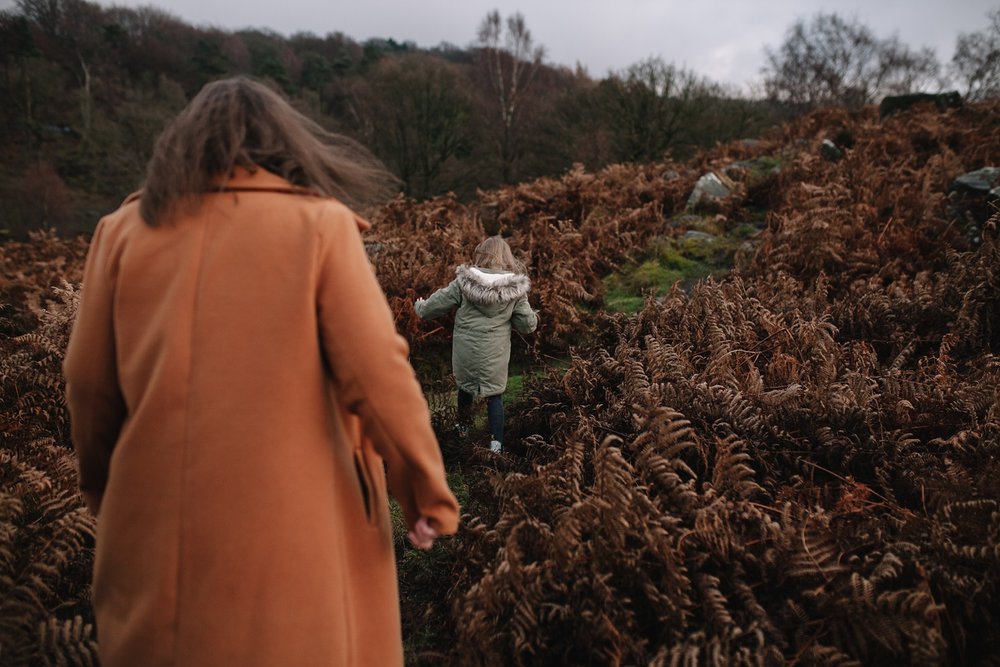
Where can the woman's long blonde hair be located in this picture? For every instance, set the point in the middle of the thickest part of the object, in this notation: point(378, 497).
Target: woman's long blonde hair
point(494, 253)
point(240, 122)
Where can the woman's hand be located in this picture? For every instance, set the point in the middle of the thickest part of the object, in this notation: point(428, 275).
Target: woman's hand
point(422, 536)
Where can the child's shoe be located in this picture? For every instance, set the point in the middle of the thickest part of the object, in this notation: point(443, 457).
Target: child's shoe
point(461, 430)
point(495, 446)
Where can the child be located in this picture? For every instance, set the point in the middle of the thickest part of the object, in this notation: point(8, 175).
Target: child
point(491, 297)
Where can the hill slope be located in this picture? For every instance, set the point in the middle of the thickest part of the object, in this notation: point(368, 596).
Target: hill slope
point(794, 463)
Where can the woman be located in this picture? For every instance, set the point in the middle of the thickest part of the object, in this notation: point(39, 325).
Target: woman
point(237, 390)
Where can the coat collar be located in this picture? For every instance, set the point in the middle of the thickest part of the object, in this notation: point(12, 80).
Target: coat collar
point(243, 180)
point(261, 179)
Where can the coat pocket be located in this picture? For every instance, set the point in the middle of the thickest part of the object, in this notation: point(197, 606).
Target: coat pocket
point(370, 489)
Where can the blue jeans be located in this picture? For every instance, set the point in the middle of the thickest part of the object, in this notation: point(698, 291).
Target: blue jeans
point(494, 411)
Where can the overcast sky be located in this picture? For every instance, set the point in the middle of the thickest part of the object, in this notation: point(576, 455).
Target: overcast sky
point(723, 40)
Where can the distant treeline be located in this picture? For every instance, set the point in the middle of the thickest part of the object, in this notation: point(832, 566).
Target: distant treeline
point(86, 89)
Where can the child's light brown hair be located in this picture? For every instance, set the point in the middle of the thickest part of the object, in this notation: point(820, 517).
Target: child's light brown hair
point(494, 253)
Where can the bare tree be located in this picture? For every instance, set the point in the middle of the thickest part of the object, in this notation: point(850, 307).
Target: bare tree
point(77, 26)
point(510, 60)
point(833, 61)
point(976, 63)
point(419, 111)
point(17, 46)
point(650, 105)
point(46, 14)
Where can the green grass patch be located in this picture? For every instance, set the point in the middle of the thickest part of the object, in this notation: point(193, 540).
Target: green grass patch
point(524, 371)
point(622, 301)
point(515, 387)
point(668, 262)
point(683, 259)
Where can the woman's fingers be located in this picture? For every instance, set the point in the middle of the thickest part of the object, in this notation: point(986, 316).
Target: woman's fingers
point(422, 536)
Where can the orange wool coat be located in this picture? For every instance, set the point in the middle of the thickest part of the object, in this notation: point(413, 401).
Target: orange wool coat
point(237, 391)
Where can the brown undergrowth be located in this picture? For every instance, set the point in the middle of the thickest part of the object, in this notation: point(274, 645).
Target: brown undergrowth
point(46, 535)
point(794, 465)
point(722, 479)
point(570, 231)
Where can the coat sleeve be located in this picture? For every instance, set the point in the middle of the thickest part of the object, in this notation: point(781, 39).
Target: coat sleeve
point(374, 379)
point(93, 396)
point(524, 319)
point(440, 303)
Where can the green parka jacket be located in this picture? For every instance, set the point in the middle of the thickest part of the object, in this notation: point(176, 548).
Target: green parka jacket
point(489, 303)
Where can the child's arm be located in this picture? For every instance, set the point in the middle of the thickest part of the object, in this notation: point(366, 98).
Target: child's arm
point(439, 303)
point(524, 319)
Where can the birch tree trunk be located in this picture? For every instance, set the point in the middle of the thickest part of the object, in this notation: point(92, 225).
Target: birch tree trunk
point(511, 61)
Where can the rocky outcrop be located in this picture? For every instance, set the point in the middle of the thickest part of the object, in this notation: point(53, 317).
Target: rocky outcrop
point(896, 103)
point(710, 189)
point(830, 152)
point(974, 197)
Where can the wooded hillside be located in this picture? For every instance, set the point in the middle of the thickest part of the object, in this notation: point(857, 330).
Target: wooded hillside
point(87, 88)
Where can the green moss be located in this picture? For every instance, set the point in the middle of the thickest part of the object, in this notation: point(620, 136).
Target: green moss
point(621, 301)
point(766, 162)
point(667, 263)
point(744, 231)
point(710, 225)
point(701, 251)
point(670, 261)
point(760, 170)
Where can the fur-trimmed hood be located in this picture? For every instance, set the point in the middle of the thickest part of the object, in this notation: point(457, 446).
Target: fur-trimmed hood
point(488, 289)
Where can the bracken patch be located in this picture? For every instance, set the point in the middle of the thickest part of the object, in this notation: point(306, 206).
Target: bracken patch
point(794, 464)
